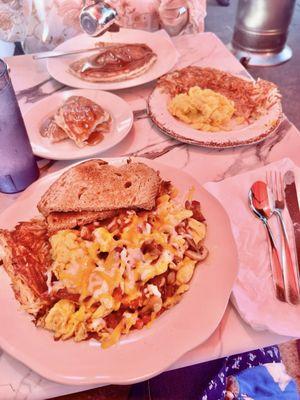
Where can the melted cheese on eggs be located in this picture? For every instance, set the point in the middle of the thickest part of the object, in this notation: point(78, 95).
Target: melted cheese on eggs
point(79, 268)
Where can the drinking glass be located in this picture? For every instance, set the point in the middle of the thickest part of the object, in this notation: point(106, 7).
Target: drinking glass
point(18, 167)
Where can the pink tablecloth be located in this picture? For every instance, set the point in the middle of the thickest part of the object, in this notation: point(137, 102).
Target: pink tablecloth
point(233, 335)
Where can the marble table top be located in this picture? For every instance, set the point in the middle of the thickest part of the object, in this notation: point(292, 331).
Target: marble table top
point(233, 335)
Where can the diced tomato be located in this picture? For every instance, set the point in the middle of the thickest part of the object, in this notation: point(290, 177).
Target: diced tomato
point(117, 294)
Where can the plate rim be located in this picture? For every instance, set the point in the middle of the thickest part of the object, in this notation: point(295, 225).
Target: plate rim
point(92, 153)
point(125, 84)
point(50, 373)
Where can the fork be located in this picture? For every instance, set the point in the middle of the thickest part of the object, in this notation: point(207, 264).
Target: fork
point(140, 114)
point(275, 184)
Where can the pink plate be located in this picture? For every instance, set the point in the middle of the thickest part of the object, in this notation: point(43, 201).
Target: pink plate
point(142, 354)
point(238, 135)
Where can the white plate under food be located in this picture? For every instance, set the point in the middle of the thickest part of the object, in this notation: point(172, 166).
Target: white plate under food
point(142, 354)
point(121, 115)
point(240, 135)
point(159, 42)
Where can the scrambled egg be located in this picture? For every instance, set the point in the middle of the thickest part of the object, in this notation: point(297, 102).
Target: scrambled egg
point(203, 109)
point(111, 276)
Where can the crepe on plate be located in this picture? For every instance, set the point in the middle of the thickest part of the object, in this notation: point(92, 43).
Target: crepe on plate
point(115, 62)
point(79, 119)
point(113, 275)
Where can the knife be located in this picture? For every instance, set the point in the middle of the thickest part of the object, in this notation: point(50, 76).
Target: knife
point(292, 202)
point(54, 54)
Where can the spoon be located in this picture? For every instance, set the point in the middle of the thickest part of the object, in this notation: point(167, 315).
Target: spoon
point(259, 204)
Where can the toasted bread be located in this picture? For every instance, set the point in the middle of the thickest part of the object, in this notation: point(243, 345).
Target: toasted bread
point(25, 254)
point(67, 220)
point(97, 186)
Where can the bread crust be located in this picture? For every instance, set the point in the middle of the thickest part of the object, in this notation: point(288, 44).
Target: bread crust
point(97, 186)
point(66, 220)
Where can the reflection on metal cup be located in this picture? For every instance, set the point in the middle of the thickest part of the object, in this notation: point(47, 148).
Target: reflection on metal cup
point(97, 18)
point(261, 30)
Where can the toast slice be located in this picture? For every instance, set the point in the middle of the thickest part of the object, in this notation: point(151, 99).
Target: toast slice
point(25, 254)
point(68, 220)
point(97, 186)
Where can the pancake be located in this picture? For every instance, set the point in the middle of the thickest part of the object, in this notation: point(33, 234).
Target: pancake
point(115, 63)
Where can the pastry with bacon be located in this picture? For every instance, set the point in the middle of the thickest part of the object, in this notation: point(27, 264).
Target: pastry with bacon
point(79, 119)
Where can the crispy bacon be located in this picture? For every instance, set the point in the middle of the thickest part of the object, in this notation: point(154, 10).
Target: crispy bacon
point(117, 294)
point(114, 318)
point(166, 288)
point(65, 295)
point(142, 321)
point(159, 280)
point(168, 291)
point(86, 233)
point(139, 324)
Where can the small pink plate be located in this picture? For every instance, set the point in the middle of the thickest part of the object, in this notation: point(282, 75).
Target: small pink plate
point(142, 354)
point(121, 123)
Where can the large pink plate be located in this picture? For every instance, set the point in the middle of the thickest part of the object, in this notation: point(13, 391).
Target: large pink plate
point(238, 135)
point(141, 354)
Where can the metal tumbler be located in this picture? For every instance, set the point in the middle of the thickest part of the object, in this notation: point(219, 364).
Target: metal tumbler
point(97, 18)
point(261, 30)
point(18, 167)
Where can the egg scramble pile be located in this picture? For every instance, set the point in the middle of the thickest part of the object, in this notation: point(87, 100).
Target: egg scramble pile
point(121, 275)
point(203, 109)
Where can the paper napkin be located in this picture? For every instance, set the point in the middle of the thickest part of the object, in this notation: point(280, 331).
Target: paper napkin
point(253, 293)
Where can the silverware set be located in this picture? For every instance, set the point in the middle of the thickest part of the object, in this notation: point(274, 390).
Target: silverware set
point(268, 200)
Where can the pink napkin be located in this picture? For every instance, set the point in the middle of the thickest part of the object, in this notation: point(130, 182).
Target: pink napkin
point(253, 293)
